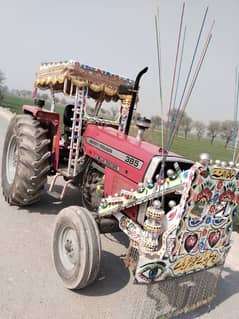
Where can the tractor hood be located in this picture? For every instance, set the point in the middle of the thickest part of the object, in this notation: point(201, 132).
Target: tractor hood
point(122, 153)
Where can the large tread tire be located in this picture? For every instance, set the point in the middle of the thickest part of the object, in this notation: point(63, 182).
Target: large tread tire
point(89, 196)
point(76, 247)
point(25, 173)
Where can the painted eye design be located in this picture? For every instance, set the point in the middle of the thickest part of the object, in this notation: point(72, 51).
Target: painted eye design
point(151, 272)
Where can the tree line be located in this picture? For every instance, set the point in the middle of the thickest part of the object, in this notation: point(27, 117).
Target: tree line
point(225, 130)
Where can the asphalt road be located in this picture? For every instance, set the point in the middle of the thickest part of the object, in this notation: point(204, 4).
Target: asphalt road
point(30, 288)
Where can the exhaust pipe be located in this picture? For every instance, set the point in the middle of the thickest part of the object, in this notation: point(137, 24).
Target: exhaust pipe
point(143, 124)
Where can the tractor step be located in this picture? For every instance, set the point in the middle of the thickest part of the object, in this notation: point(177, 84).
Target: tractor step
point(65, 174)
point(55, 195)
point(59, 195)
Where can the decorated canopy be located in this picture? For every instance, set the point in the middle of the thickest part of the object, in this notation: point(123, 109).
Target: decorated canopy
point(66, 76)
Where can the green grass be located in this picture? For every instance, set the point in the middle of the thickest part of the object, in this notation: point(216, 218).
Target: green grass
point(191, 147)
point(15, 103)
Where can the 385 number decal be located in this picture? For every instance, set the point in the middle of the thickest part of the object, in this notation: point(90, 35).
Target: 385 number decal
point(132, 161)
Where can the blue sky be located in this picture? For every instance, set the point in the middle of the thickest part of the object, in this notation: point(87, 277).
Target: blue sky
point(119, 36)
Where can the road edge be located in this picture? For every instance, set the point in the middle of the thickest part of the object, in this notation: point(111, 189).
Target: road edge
point(6, 113)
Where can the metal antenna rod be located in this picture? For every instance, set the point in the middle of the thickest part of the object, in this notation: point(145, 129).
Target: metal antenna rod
point(159, 56)
point(174, 114)
point(159, 74)
point(188, 76)
point(234, 128)
point(193, 80)
point(175, 65)
point(164, 151)
point(193, 58)
point(180, 65)
point(161, 98)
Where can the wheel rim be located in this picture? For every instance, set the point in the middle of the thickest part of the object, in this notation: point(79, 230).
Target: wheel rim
point(68, 248)
point(11, 160)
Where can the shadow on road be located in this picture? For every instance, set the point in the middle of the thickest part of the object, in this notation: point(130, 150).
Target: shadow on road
point(52, 206)
point(166, 298)
point(113, 276)
point(227, 287)
point(121, 238)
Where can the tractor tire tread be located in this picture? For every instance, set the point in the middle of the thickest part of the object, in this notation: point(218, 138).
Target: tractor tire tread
point(32, 163)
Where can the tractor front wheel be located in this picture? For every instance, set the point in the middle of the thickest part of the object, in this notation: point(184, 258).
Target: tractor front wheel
point(76, 247)
point(25, 161)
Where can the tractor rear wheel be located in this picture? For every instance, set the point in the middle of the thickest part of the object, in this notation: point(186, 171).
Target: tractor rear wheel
point(76, 247)
point(25, 161)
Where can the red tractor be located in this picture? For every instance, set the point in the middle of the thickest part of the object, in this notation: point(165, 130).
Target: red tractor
point(176, 213)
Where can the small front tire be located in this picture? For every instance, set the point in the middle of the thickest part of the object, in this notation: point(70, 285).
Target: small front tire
point(76, 247)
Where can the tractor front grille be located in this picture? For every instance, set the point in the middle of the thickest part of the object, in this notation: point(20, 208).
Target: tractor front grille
point(152, 173)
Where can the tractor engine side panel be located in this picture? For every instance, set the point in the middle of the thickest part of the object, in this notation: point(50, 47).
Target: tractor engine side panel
point(122, 154)
point(114, 183)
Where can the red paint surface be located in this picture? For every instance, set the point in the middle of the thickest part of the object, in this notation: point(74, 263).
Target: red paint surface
point(126, 144)
point(114, 183)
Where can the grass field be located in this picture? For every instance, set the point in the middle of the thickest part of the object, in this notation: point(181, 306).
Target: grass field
point(15, 103)
point(190, 147)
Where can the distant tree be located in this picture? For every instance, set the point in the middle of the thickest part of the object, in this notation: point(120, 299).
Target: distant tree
point(213, 129)
point(200, 128)
point(186, 125)
point(171, 121)
point(172, 115)
point(155, 121)
point(25, 93)
point(14, 92)
point(2, 79)
point(5, 89)
point(136, 115)
point(179, 121)
point(227, 130)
